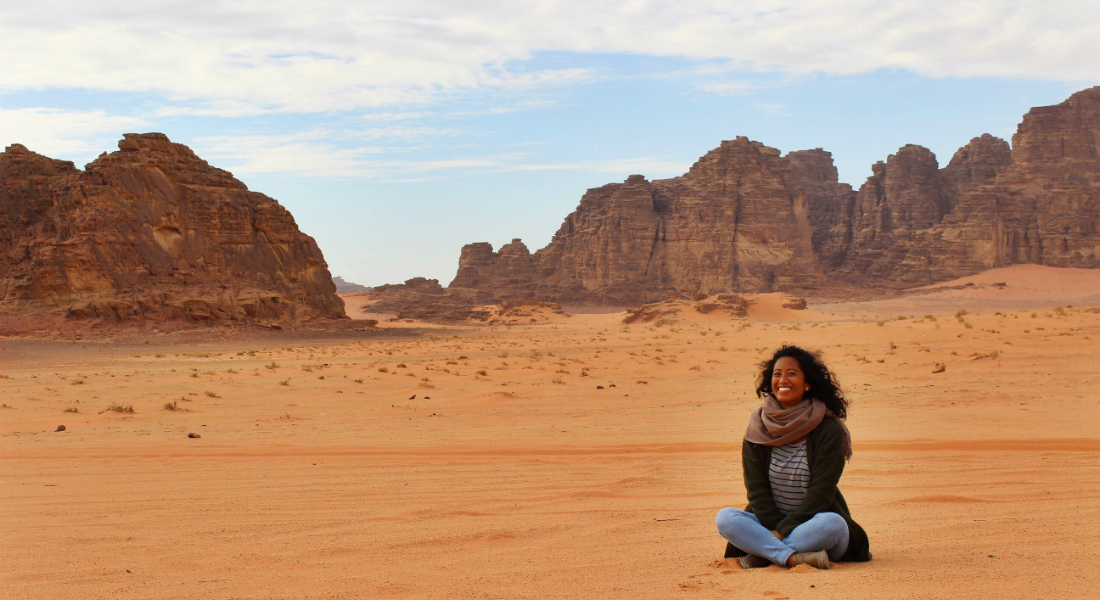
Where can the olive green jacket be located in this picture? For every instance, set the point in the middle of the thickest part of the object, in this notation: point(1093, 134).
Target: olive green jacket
point(825, 455)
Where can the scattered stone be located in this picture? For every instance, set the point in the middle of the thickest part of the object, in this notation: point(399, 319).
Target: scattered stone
point(940, 368)
point(599, 387)
point(194, 435)
point(413, 397)
point(795, 304)
point(59, 428)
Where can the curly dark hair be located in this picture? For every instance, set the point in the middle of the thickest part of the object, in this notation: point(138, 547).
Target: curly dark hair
point(823, 384)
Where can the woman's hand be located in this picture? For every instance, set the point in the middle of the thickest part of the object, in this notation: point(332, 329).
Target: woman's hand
point(778, 536)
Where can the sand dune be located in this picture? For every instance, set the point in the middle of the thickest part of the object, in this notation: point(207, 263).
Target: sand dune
point(475, 461)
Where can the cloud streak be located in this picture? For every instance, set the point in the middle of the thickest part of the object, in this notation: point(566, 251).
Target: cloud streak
point(56, 132)
point(317, 153)
point(252, 56)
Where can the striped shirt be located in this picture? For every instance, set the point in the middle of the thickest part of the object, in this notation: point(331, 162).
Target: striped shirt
point(789, 474)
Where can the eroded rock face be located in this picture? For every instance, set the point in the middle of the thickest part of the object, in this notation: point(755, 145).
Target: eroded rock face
point(1045, 207)
point(152, 231)
point(736, 220)
point(746, 219)
point(829, 202)
point(509, 269)
point(1037, 203)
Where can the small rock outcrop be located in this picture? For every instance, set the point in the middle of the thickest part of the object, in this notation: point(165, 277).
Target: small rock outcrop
point(152, 232)
point(344, 286)
point(669, 309)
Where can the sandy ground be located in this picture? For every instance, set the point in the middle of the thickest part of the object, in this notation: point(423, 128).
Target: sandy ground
point(476, 462)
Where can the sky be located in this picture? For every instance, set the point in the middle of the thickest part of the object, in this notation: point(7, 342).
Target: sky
point(397, 132)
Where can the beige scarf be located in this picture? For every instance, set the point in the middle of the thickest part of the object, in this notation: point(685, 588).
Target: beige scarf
point(773, 425)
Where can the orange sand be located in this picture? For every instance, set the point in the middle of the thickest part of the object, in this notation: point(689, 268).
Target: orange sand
point(528, 481)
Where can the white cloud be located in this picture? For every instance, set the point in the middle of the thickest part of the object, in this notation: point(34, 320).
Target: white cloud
point(314, 154)
point(64, 133)
point(729, 88)
point(252, 56)
point(652, 168)
point(773, 108)
point(394, 116)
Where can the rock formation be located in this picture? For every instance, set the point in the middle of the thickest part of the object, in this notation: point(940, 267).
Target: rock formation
point(152, 231)
point(343, 285)
point(423, 299)
point(746, 219)
point(736, 220)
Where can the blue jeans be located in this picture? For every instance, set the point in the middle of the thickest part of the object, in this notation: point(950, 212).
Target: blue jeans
point(825, 531)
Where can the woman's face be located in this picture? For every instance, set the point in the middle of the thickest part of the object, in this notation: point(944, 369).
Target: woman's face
point(788, 381)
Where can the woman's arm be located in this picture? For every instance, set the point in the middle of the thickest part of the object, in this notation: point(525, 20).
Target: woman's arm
point(825, 469)
point(758, 487)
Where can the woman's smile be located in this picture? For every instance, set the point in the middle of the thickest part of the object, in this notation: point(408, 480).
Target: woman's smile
point(788, 381)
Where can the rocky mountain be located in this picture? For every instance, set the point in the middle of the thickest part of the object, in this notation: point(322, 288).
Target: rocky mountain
point(152, 231)
point(343, 285)
point(746, 218)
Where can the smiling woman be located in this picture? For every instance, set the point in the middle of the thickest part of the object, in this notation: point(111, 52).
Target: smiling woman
point(794, 452)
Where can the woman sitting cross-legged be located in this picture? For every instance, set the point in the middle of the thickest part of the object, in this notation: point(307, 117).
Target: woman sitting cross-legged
point(793, 455)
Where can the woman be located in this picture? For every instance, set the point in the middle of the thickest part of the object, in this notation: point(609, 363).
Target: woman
point(794, 452)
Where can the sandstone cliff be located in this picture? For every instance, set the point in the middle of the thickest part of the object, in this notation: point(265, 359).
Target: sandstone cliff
point(746, 219)
point(736, 220)
point(152, 231)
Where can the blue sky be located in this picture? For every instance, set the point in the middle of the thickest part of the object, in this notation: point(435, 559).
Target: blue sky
point(398, 132)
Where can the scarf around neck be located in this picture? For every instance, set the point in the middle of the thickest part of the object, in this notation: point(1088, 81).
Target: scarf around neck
point(772, 425)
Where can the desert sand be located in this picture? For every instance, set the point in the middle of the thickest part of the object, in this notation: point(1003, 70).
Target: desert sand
point(572, 458)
